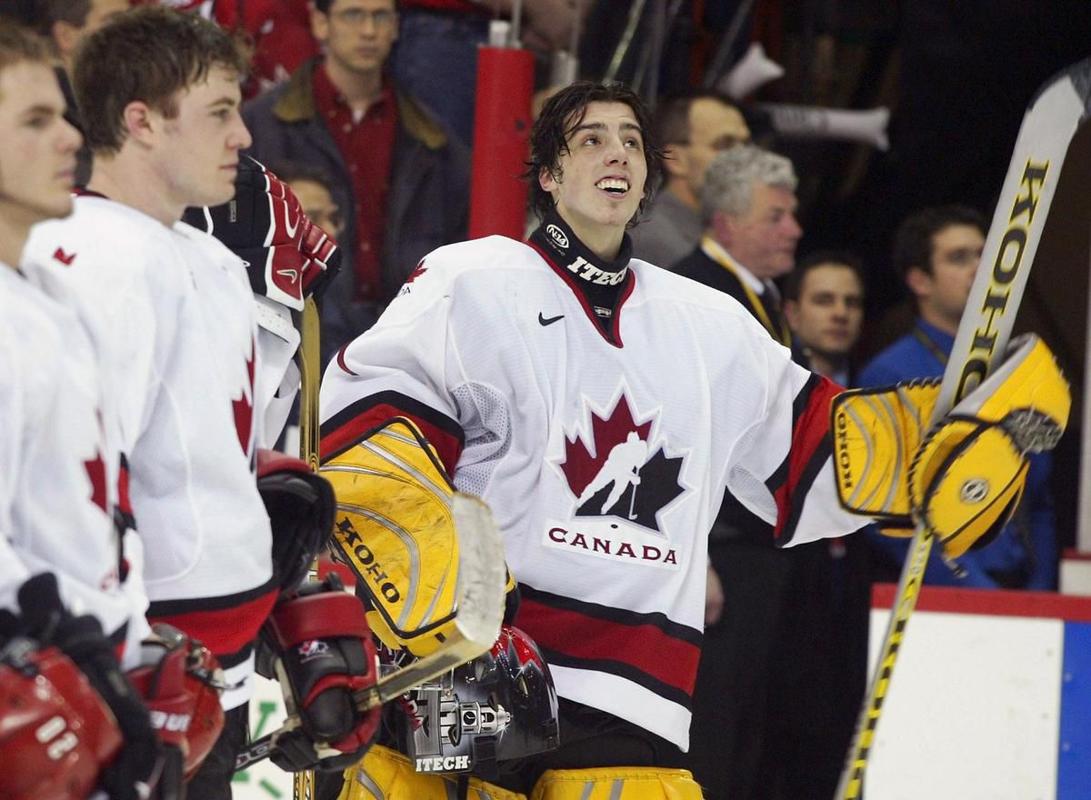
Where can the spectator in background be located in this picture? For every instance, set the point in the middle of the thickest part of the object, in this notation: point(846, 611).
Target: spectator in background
point(65, 23)
point(314, 189)
point(278, 33)
point(436, 56)
point(824, 305)
point(937, 252)
point(693, 129)
point(400, 179)
point(748, 203)
point(819, 660)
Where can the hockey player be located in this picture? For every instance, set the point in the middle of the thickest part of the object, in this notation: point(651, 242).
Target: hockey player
point(523, 365)
point(56, 501)
point(173, 320)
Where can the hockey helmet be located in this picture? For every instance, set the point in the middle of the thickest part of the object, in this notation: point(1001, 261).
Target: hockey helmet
point(56, 733)
point(498, 707)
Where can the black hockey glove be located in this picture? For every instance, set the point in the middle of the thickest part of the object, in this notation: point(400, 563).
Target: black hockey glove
point(319, 645)
point(301, 506)
point(136, 768)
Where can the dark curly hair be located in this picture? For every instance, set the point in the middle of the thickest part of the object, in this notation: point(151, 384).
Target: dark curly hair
point(562, 114)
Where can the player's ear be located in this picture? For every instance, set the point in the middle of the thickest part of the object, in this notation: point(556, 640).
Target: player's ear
point(137, 121)
point(547, 180)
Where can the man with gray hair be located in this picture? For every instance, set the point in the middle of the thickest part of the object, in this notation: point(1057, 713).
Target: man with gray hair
point(748, 203)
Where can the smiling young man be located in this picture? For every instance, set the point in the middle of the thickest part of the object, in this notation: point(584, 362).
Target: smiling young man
point(529, 367)
point(175, 326)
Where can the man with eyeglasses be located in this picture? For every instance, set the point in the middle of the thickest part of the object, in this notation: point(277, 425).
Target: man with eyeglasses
point(694, 128)
point(399, 177)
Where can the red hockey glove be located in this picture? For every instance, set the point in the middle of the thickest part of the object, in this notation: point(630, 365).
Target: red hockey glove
point(287, 256)
point(300, 505)
point(181, 682)
point(321, 645)
point(137, 764)
point(56, 733)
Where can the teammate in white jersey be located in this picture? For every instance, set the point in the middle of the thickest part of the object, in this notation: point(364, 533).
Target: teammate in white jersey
point(173, 318)
point(61, 562)
point(533, 370)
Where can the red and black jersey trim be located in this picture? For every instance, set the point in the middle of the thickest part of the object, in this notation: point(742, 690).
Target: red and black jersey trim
point(650, 650)
point(226, 624)
point(355, 423)
point(810, 448)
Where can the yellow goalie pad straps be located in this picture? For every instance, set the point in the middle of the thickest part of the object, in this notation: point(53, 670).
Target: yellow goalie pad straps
point(875, 435)
point(386, 774)
point(394, 529)
point(617, 783)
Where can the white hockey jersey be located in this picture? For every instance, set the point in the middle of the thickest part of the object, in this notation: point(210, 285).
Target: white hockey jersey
point(604, 455)
point(173, 320)
point(56, 492)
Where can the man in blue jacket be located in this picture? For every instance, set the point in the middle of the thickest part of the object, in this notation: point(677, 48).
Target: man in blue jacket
point(937, 251)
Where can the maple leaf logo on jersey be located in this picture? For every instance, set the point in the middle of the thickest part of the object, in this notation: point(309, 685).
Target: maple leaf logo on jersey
point(622, 471)
point(243, 407)
point(96, 473)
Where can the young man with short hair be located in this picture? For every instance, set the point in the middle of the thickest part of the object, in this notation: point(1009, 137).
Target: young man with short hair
point(401, 179)
point(937, 252)
point(60, 553)
point(824, 306)
point(520, 368)
point(175, 326)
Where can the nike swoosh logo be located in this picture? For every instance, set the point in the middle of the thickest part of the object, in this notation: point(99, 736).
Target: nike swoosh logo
point(543, 320)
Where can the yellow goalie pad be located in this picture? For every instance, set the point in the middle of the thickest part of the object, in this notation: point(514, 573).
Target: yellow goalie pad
point(395, 530)
point(386, 774)
point(617, 783)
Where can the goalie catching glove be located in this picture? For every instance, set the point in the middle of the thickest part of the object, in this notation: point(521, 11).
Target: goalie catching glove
point(318, 645)
point(963, 477)
point(396, 531)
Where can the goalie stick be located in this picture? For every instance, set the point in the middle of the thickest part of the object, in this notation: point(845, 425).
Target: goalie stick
point(1049, 124)
point(482, 576)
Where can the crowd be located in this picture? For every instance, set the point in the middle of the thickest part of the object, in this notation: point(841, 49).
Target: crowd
point(359, 115)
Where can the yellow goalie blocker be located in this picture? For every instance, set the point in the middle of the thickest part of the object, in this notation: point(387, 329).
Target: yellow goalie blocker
point(961, 478)
point(395, 530)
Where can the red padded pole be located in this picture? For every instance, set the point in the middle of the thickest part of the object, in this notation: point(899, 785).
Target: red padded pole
point(505, 83)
